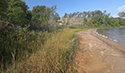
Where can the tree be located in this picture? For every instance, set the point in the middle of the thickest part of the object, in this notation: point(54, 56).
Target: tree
point(43, 13)
point(92, 13)
point(98, 12)
point(56, 17)
point(74, 14)
point(89, 14)
point(84, 21)
point(18, 13)
point(98, 20)
point(123, 22)
point(81, 14)
point(67, 23)
point(65, 15)
point(89, 24)
point(44, 18)
point(121, 14)
point(3, 8)
point(113, 22)
point(70, 15)
point(84, 14)
point(77, 14)
point(104, 13)
point(106, 20)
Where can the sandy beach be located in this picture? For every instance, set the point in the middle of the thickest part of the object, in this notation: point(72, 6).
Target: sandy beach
point(98, 54)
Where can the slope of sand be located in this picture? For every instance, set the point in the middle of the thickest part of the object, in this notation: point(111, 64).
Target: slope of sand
point(99, 55)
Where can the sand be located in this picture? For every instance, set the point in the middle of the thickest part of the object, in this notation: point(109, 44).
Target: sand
point(98, 55)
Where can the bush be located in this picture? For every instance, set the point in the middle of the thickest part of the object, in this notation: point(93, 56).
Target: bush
point(72, 27)
point(15, 39)
point(44, 27)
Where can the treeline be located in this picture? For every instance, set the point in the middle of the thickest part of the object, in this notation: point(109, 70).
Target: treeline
point(16, 12)
point(98, 18)
point(44, 18)
point(85, 14)
point(20, 29)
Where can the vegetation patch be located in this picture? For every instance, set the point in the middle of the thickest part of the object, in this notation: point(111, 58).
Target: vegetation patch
point(55, 55)
point(33, 40)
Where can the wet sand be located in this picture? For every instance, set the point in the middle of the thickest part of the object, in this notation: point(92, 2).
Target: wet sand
point(98, 54)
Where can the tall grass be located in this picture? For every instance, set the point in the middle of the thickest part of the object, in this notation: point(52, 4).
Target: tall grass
point(16, 44)
point(54, 56)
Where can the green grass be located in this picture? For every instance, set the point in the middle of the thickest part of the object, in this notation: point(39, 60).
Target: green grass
point(53, 55)
point(81, 30)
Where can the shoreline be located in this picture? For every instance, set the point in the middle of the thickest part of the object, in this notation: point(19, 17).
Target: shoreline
point(104, 36)
point(97, 54)
point(114, 44)
point(110, 27)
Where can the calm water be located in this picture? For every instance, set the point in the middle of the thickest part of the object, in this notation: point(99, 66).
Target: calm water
point(115, 34)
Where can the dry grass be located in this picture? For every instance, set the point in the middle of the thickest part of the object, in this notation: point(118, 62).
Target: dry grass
point(54, 56)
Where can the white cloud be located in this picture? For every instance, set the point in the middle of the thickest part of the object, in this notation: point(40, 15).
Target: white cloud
point(121, 9)
point(115, 16)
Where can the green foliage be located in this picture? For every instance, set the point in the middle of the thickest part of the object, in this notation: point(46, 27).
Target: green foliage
point(90, 24)
point(13, 39)
point(121, 14)
point(17, 39)
point(44, 13)
point(20, 40)
point(56, 17)
point(84, 21)
point(17, 13)
point(78, 26)
point(121, 22)
point(67, 23)
point(112, 22)
point(88, 14)
point(97, 19)
point(3, 8)
point(43, 18)
point(65, 15)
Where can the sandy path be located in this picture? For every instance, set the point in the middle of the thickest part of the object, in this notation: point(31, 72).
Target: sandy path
point(99, 55)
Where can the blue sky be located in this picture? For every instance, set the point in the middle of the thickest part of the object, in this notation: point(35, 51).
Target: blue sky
point(70, 6)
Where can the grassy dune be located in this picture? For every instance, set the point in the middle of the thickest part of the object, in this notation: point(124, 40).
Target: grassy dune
point(55, 55)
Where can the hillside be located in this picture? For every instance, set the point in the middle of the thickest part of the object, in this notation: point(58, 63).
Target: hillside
point(76, 20)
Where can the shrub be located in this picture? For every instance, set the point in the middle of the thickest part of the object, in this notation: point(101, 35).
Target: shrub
point(15, 39)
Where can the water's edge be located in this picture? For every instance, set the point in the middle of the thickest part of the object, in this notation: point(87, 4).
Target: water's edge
point(104, 36)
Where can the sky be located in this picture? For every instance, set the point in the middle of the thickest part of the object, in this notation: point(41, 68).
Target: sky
point(70, 6)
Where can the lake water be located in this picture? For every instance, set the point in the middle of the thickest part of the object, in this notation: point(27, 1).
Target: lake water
point(117, 35)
